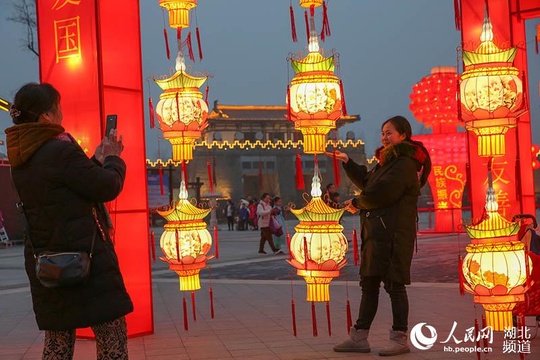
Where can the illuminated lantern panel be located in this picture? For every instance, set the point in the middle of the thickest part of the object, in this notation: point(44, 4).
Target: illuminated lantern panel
point(497, 275)
point(182, 111)
point(318, 247)
point(495, 267)
point(178, 11)
point(185, 241)
point(314, 99)
point(491, 93)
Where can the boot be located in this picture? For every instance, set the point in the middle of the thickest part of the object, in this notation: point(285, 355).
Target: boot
point(396, 345)
point(357, 342)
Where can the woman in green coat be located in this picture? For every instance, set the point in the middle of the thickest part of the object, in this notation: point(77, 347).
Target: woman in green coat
point(388, 214)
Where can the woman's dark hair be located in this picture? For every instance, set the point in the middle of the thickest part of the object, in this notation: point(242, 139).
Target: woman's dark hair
point(403, 126)
point(32, 100)
point(276, 198)
point(264, 195)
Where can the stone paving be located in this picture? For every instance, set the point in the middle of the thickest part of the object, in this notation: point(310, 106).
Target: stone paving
point(252, 302)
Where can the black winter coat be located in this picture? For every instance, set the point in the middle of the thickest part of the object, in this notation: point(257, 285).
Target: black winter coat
point(388, 212)
point(59, 185)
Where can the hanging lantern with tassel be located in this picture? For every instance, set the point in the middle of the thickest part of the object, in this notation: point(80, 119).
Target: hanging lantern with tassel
point(185, 241)
point(495, 267)
point(181, 110)
point(314, 99)
point(491, 93)
point(318, 247)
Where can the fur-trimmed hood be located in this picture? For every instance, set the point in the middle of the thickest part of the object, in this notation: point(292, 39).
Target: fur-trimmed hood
point(413, 150)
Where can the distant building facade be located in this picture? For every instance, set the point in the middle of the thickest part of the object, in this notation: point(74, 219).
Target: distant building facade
point(252, 149)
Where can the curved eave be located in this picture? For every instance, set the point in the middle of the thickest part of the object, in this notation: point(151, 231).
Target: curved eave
point(180, 80)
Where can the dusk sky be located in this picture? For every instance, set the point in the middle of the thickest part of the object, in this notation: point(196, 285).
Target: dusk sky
point(385, 47)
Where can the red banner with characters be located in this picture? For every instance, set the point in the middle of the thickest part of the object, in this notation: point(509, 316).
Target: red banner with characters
point(90, 51)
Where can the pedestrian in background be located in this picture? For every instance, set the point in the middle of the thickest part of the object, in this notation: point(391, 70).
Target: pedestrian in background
point(264, 213)
point(230, 214)
point(388, 213)
point(278, 213)
point(63, 193)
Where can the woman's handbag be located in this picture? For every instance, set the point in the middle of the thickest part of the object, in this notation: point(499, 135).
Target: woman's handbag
point(275, 226)
point(64, 269)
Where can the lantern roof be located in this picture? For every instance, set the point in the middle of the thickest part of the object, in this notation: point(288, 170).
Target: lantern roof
point(487, 51)
point(314, 61)
point(317, 210)
point(184, 210)
point(492, 224)
point(181, 80)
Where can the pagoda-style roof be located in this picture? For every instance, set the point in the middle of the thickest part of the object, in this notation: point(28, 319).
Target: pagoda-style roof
point(249, 113)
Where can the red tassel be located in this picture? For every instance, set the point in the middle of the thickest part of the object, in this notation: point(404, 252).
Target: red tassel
point(461, 276)
point(356, 254)
point(349, 317)
point(457, 15)
point(161, 187)
point(216, 240)
point(314, 318)
point(293, 25)
point(326, 23)
point(293, 311)
point(484, 325)
point(322, 35)
point(193, 306)
point(476, 333)
point(206, 94)
point(198, 34)
point(343, 103)
point(328, 320)
point(312, 10)
point(288, 237)
point(153, 245)
point(179, 35)
point(151, 110)
point(214, 170)
point(536, 40)
point(299, 174)
point(337, 176)
point(211, 292)
point(190, 47)
point(289, 110)
point(167, 49)
point(306, 19)
point(306, 253)
point(184, 172)
point(184, 306)
point(177, 245)
point(209, 170)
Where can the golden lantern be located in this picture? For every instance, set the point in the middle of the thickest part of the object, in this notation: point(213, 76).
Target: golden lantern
point(185, 241)
point(315, 96)
point(178, 11)
point(310, 3)
point(491, 93)
point(181, 110)
point(496, 266)
point(318, 247)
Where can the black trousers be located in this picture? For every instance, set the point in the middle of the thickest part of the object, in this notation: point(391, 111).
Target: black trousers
point(266, 235)
point(370, 302)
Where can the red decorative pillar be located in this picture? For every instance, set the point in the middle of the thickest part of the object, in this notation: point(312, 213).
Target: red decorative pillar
point(91, 52)
point(512, 173)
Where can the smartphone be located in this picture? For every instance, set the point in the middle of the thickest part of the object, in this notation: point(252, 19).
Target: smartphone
point(111, 123)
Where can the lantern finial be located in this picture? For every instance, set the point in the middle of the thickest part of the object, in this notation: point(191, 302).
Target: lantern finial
point(316, 183)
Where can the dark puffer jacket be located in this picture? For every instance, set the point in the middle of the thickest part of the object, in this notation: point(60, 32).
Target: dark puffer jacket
point(59, 185)
point(388, 211)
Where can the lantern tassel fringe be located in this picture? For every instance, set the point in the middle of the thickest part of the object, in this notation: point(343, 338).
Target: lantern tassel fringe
point(299, 174)
point(293, 25)
point(328, 319)
point(184, 307)
point(211, 294)
point(314, 318)
point(293, 314)
point(193, 307)
point(199, 47)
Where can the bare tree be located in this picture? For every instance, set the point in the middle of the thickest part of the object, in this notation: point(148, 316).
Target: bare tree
point(25, 13)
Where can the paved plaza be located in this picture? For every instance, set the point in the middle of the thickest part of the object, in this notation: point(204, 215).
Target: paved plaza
point(252, 303)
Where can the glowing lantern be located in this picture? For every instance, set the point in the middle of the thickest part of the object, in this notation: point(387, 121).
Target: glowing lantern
point(310, 3)
point(178, 11)
point(491, 93)
point(495, 267)
point(318, 247)
point(181, 110)
point(185, 241)
point(315, 96)
point(433, 100)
